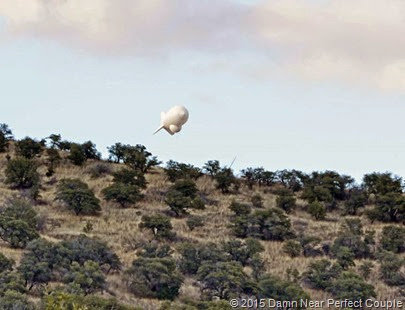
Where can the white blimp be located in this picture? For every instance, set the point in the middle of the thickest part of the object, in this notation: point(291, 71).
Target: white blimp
point(173, 120)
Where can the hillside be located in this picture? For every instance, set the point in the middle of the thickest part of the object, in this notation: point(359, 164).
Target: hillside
point(120, 228)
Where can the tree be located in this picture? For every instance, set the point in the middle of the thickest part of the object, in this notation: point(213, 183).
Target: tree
point(122, 194)
point(356, 199)
point(11, 281)
point(291, 179)
point(176, 171)
point(211, 167)
point(5, 263)
point(224, 279)
point(182, 196)
point(21, 173)
point(78, 197)
point(388, 208)
point(6, 135)
point(77, 155)
point(90, 151)
point(130, 177)
point(320, 274)
point(293, 248)
point(86, 279)
point(350, 286)
point(225, 179)
point(56, 139)
point(154, 278)
point(13, 227)
point(393, 239)
point(317, 210)
point(28, 148)
point(158, 224)
point(278, 289)
point(345, 257)
point(382, 183)
point(138, 158)
point(53, 160)
point(286, 202)
point(391, 268)
point(13, 300)
point(194, 221)
point(242, 252)
point(117, 152)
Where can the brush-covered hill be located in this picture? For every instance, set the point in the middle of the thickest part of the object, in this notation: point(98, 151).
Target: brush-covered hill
point(79, 232)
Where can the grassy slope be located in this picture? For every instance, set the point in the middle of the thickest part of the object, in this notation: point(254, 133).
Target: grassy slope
point(119, 227)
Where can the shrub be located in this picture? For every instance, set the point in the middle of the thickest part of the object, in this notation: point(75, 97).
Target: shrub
point(350, 286)
point(292, 248)
point(393, 239)
point(176, 171)
point(357, 199)
point(321, 273)
point(257, 201)
point(99, 169)
point(77, 155)
point(225, 179)
point(21, 173)
point(271, 224)
point(345, 257)
point(154, 250)
point(53, 159)
point(382, 183)
point(5, 136)
point(78, 197)
point(159, 225)
point(388, 208)
point(211, 167)
point(122, 194)
point(365, 269)
point(28, 148)
point(154, 278)
point(224, 279)
point(11, 281)
point(287, 203)
point(242, 252)
point(138, 158)
point(240, 209)
point(130, 177)
point(18, 224)
point(390, 268)
point(5, 263)
point(13, 300)
point(85, 279)
point(291, 179)
point(317, 210)
point(194, 221)
point(183, 196)
point(192, 256)
point(281, 290)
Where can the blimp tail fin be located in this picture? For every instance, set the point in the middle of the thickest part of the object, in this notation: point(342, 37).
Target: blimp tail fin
point(159, 129)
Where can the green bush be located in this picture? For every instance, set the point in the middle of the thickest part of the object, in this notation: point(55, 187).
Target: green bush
point(6, 135)
point(87, 278)
point(356, 199)
point(287, 203)
point(176, 171)
point(78, 197)
point(293, 248)
point(345, 257)
point(21, 173)
point(12, 300)
point(243, 251)
point(240, 209)
point(350, 286)
point(224, 280)
point(391, 268)
point(225, 179)
point(388, 208)
point(159, 225)
point(122, 194)
point(5, 263)
point(138, 158)
point(28, 148)
point(320, 274)
point(154, 278)
point(382, 183)
point(76, 154)
point(317, 210)
point(393, 239)
point(278, 289)
point(182, 196)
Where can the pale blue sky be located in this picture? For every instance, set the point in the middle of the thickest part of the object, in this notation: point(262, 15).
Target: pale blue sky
point(241, 102)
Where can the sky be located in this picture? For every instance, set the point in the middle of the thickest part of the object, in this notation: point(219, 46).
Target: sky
point(284, 84)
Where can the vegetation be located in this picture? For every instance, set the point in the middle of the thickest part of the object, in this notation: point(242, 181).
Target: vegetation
point(196, 238)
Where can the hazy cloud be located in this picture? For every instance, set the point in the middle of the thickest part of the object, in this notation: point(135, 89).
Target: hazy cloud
point(357, 41)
